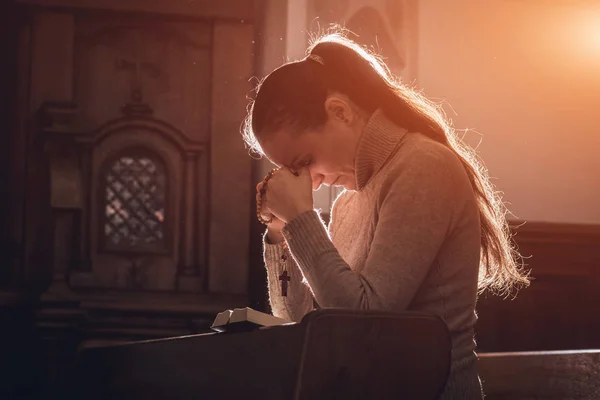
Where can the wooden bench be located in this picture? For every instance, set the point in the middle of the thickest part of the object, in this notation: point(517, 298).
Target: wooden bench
point(541, 375)
point(331, 354)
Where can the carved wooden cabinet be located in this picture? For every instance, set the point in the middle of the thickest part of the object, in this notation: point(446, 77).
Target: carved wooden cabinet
point(139, 189)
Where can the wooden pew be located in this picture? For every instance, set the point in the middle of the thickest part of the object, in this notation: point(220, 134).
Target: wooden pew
point(331, 354)
point(541, 375)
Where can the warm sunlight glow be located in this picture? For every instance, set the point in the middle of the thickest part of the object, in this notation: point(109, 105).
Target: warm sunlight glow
point(589, 28)
point(593, 26)
point(586, 25)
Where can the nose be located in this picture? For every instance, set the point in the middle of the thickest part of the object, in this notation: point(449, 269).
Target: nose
point(317, 180)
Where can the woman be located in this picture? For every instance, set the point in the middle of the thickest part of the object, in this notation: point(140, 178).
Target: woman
point(418, 227)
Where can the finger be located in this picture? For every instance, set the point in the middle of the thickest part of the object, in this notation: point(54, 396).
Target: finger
point(288, 172)
point(304, 171)
point(260, 185)
point(294, 172)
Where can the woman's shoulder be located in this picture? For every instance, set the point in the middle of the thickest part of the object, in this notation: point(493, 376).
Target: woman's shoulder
point(420, 152)
point(422, 162)
point(419, 145)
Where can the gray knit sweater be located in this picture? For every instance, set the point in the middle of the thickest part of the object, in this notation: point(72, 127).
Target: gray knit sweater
point(407, 239)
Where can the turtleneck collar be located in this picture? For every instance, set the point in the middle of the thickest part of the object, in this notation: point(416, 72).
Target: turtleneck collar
point(377, 143)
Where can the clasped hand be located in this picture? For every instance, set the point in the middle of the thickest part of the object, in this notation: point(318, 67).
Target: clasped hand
point(287, 195)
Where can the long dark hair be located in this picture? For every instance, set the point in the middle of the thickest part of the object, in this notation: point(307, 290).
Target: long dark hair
point(293, 97)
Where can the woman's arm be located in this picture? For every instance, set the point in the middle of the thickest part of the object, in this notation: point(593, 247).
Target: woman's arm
point(416, 210)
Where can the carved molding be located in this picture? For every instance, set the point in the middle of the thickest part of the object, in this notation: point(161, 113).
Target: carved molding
point(58, 117)
point(143, 123)
point(136, 107)
point(154, 66)
point(56, 126)
point(57, 135)
point(84, 154)
point(165, 84)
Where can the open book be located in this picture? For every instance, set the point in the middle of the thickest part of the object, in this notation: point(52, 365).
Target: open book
point(244, 319)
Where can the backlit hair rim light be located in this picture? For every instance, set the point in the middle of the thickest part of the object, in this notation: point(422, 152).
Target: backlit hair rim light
point(316, 58)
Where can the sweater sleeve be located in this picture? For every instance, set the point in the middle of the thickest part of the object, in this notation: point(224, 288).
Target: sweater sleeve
point(415, 210)
point(299, 299)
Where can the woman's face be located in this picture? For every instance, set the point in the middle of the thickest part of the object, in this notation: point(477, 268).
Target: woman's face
point(328, 153)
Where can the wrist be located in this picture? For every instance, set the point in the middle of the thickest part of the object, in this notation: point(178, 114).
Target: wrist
point(298, 213)
point(274, 236)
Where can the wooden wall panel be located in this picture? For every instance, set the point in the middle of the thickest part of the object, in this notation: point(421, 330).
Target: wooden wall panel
point(231, 166)
point(50, 80)
point(561, 308)
point(15, 33)
point(90, 75)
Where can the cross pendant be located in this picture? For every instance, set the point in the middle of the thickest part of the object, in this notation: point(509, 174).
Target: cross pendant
point(284, 278)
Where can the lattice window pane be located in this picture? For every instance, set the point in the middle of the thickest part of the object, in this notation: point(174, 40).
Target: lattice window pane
point(134, 202)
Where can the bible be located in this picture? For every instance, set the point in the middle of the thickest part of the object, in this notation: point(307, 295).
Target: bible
point(245, 319)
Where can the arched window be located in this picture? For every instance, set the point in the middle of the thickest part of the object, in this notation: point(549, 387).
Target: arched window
point(133, 203)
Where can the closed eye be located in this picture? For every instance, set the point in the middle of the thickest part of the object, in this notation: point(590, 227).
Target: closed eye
point(306, 163)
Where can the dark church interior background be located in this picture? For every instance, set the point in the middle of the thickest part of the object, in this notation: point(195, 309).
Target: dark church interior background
point(127, 206)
